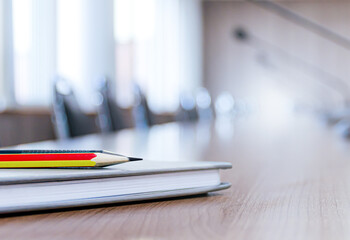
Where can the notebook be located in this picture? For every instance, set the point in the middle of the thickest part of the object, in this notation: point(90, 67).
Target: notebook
point(24, 190)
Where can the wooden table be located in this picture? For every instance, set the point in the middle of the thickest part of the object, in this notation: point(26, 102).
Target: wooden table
point(290, 180)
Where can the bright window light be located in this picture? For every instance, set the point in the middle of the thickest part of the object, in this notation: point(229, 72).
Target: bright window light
point(34, 50)
point(69, 18)
point(22, 46)
point(22, 26)
point(152, 51)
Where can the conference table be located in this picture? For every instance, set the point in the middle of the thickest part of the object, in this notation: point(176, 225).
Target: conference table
point(290, 180)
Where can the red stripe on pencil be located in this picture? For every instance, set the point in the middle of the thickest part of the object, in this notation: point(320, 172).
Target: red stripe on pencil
point(46, 157)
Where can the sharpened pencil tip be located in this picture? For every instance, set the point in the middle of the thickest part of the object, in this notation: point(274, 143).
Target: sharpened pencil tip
point(134, 159)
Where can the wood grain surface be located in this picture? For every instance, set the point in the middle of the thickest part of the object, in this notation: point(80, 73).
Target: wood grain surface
point(290, 180)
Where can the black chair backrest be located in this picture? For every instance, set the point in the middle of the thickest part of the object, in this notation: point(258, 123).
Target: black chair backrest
point(110, 115)
point(70, 120)
point(143, 115)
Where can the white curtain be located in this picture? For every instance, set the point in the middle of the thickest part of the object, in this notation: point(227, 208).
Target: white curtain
point(34, 50)
point(6, 54)
point(2, 55)
point(158, 47)
point(73, 38)
point(85, 45)
point(155, 43)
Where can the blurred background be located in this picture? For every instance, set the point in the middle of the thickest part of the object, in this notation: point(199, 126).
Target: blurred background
point(74, 67)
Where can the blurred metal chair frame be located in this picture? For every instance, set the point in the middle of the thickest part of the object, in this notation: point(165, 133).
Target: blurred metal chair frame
point(110, 116)
point(69, 119)
point(143, 115)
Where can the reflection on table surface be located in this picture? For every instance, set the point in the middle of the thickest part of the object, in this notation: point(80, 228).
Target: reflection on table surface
point(167, 142)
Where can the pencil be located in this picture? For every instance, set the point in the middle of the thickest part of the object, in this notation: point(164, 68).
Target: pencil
point(60, 158)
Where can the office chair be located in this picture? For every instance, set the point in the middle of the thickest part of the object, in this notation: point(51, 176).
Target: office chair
point(188, 110)
point(143, 116)
point(110, 115)
point(69, 119)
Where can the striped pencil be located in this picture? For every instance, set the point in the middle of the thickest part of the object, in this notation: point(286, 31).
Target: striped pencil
point(60, 158)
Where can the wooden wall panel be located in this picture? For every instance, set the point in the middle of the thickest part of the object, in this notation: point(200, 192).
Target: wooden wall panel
point(17, 128)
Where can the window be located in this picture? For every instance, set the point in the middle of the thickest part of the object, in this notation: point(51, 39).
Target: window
point(2, 54)
point(154, 43)
point(158, 45)
point(5, 54)
point(34, 50)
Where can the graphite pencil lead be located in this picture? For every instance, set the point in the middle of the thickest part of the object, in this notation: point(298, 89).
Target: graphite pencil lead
point(134, 159)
